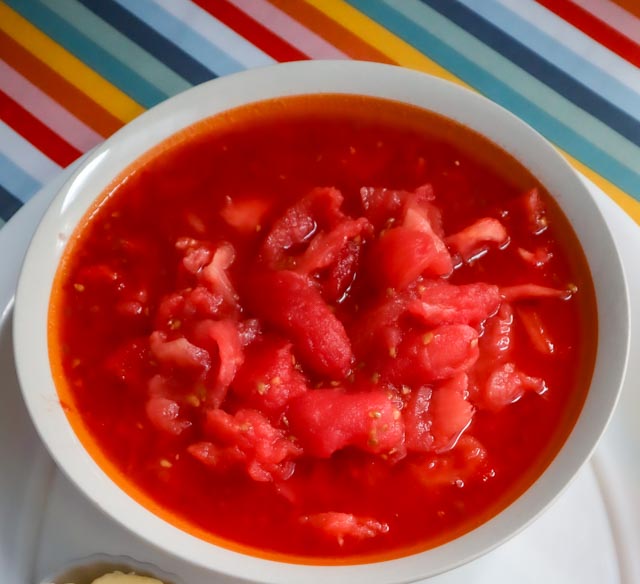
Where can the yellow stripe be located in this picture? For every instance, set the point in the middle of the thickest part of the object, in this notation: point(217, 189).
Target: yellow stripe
point(404, 54)
point(65, 64)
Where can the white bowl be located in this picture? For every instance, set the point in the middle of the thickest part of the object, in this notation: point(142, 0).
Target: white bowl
point(445, 98)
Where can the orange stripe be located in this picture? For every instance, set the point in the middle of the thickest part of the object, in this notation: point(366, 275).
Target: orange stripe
point(66, 94)
point(331, 31)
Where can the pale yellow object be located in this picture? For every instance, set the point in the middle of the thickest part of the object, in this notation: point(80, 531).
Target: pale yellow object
point(120, 578)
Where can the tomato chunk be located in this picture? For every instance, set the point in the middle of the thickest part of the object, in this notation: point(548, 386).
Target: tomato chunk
point(245, 214)
point(290, 303)
point(434, 355)
point(435, 418)
point(473, 240)
point(497, 339)
point(164, 414)
point(506, 384)
point(247, 439)
point(345, 525)
point(221, 337)
point(442, 303)
point(268, 379)
point(328, 420)
point(531, 291)
point(321, 207)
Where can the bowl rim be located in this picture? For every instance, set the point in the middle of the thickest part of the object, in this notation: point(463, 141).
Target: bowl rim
point(109, 159)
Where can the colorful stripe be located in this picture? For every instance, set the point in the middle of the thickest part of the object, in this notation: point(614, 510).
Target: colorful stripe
point(33, 130)
point(73, 72)
point(253, 31)
point(426, 30)
point(46, 109)
point(230, 42)
point(141, 33)
point(489, 24)
point(121, 48)
point(595, 28)
point(86, 50)
point(306, 41)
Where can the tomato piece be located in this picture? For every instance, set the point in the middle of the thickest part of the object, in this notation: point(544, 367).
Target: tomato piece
point(326, 247)
point(533, 291)
point(473, 241)
point(435, 355)
point(339, 526)
point(328, 420)
point(497, 339)
point(413, 248)
point(321, 207)
point(382, 204)
point(536, 258)
point(245, 214)
point(442, 303)
point(435, 418)
point(468, 459)
point(536, 330)
point(247, 439)
point(179, 353)
point(221, 337)
point(534, 211)
point(506, 385)
point(268, 379)
point(342, 273)
point(417, 421)
point(164, 414)
point(214, 275)
point(450, 412)
point(290, 303)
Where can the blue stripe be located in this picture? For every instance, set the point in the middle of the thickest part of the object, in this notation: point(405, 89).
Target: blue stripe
point(90, 53)
point(142, 34)
point(625, 124)
point(200, 48)
point(16, 181)
point(483, 81)
point(560, 55)
point(8, 205)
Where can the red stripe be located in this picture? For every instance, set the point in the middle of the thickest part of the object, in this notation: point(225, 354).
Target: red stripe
point(252, 30)
point(33, 130)
point(595, 28)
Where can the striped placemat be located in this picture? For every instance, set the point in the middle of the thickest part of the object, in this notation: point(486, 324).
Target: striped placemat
point(73, 71)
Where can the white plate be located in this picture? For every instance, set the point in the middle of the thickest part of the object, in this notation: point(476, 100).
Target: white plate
point(591, 535)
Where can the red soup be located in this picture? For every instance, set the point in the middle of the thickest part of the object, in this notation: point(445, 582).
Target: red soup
point(324, 329)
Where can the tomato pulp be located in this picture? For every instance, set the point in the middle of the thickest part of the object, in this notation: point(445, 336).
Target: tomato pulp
point(325, 329)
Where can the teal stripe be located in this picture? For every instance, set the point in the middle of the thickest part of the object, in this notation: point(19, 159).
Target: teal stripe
point(90, 53)
point(485, 82)
point(119, 46)
point(589, 127)
point(15, 180)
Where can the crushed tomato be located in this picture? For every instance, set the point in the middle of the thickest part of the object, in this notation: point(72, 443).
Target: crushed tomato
point(317, 330)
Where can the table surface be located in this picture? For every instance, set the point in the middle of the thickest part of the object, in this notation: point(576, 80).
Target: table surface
point(74, 71)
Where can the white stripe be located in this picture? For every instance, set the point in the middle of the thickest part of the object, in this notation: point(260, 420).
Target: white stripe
point(48, 111)
point(577, 42)
point(611, 14)
point(26, 156)
point(216, 32)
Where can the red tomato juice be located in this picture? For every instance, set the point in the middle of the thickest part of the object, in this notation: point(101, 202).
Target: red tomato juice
point(324, 329)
